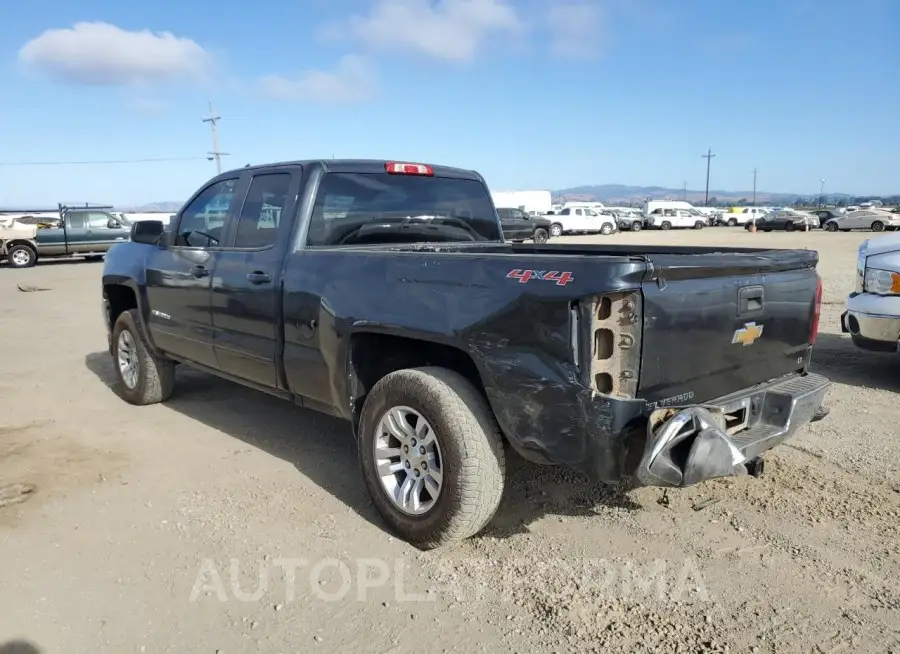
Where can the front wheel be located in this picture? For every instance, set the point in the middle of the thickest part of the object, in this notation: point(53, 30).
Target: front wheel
point(789, 227)
point(21, 256)
point(699, 225)
point(540, 235)
point(636, 226)
point(878, 226)
point(143, 378)
point(732, 222)
point(831, 227)
point(607, 229)
point(555, 230)
point(431, 455)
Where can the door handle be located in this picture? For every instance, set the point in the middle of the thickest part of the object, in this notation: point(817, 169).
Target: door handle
point(199, 271)
point(258, 278)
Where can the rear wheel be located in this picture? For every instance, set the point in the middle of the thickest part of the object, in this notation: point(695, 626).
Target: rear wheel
point(607, 229)
point(540, 235)
point(636, 226)
point(699, 225)
point(431, 455)
point(556, 230)
point(143, 378)
point(831, 227)
point(789, 227)
point(732, 222)
point(21, 256)
point(878, 226)
point(666, 225)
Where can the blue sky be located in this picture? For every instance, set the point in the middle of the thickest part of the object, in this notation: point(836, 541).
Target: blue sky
point(532, 93)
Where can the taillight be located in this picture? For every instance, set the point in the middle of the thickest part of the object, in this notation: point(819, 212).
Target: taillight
point(817, 311)
point(398, 168)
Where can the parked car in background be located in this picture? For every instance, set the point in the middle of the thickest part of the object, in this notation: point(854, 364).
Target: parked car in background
point(872, 317)
point(876, 220)
point(784, 219)
point(827, 214)
point(581, 221)
point(629, 219)
point(674, 219)
point(519, 226)
point(742, 215)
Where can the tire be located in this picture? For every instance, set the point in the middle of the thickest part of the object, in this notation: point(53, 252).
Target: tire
point(666, 225)
point(556, 230)
point(637, 226)
point(470, 454)
point(878, 226)
point(94, 257)
point(732, 222)
point(789, 227)
point(154, 377)
point(607, 229)
point(21, 256)
point(540, 235)
point(699, 225)
point(831, 227)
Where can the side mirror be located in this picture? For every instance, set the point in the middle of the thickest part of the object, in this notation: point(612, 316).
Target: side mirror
point(148, 232)
point(113, 224)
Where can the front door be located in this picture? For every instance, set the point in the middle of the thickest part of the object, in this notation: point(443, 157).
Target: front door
point(179, 274)
point(103, 231)
point(246, 283)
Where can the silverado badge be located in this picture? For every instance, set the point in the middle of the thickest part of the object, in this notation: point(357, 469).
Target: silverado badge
point(747, 334)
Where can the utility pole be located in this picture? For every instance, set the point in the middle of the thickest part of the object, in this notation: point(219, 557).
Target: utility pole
point(708, 156)
point(822, 192)
point(754, 187)
point(215, 154)
point(684, 192)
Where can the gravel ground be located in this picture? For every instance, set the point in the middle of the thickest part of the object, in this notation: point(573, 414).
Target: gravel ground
point(228, 521)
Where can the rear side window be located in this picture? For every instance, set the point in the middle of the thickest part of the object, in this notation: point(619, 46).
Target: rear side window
point(261, 213)
point(370, 208)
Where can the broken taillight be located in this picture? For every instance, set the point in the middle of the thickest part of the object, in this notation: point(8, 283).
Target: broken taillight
point(817, 312)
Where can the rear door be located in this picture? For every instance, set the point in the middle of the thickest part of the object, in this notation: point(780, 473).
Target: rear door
point(718, 323)
point(246, 281)
point(76, 231)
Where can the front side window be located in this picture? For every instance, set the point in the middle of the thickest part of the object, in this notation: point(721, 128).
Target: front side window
point(370, 208)
point(203, 220)
point(261, 213)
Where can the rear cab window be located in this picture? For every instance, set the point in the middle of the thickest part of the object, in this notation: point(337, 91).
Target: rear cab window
point(373, 208)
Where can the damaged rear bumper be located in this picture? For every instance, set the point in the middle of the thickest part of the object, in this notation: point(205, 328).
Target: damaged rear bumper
point(692, 444)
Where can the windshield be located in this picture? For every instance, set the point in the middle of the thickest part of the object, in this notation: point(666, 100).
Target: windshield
point(355, 208)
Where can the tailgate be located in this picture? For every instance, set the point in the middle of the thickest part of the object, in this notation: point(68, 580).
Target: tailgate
point(720, 322)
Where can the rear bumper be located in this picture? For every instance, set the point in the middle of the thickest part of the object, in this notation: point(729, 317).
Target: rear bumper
point(688, 445)
point(873, 322)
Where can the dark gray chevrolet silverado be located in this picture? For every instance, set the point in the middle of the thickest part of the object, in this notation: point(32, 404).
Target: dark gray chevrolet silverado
point(384, 293)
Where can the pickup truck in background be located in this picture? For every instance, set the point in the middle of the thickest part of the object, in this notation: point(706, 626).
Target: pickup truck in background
point(872, 317)
point(518, 226)
point(384, 293)
point(88, 232)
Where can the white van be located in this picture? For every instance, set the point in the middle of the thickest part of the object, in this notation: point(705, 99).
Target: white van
point(675, 219)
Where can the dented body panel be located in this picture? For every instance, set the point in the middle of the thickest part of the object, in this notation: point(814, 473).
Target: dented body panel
point(574, 346)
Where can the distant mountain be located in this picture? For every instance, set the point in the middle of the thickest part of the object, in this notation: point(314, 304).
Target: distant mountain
point(170, 206)
point(624, 194)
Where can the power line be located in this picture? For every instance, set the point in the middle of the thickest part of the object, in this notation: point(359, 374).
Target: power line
point(213, 121)
point(98, 162)
point(708, 156)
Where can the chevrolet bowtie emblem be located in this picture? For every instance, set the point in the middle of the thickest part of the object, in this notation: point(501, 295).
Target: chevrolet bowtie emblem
point(747, 334)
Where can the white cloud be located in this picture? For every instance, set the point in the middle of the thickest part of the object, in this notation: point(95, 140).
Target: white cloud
point(352, 80)
point(576, 28)
point(101, 54)
point(454, 30)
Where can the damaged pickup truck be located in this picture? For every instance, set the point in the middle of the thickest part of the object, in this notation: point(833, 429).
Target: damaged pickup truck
point(384, 293)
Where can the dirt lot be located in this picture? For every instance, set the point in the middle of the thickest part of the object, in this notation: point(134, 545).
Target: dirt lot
point(149, 529)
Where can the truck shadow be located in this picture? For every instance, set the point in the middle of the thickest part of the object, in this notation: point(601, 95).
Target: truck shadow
point(19, 647)
point(322, 449)
point(836, 357)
